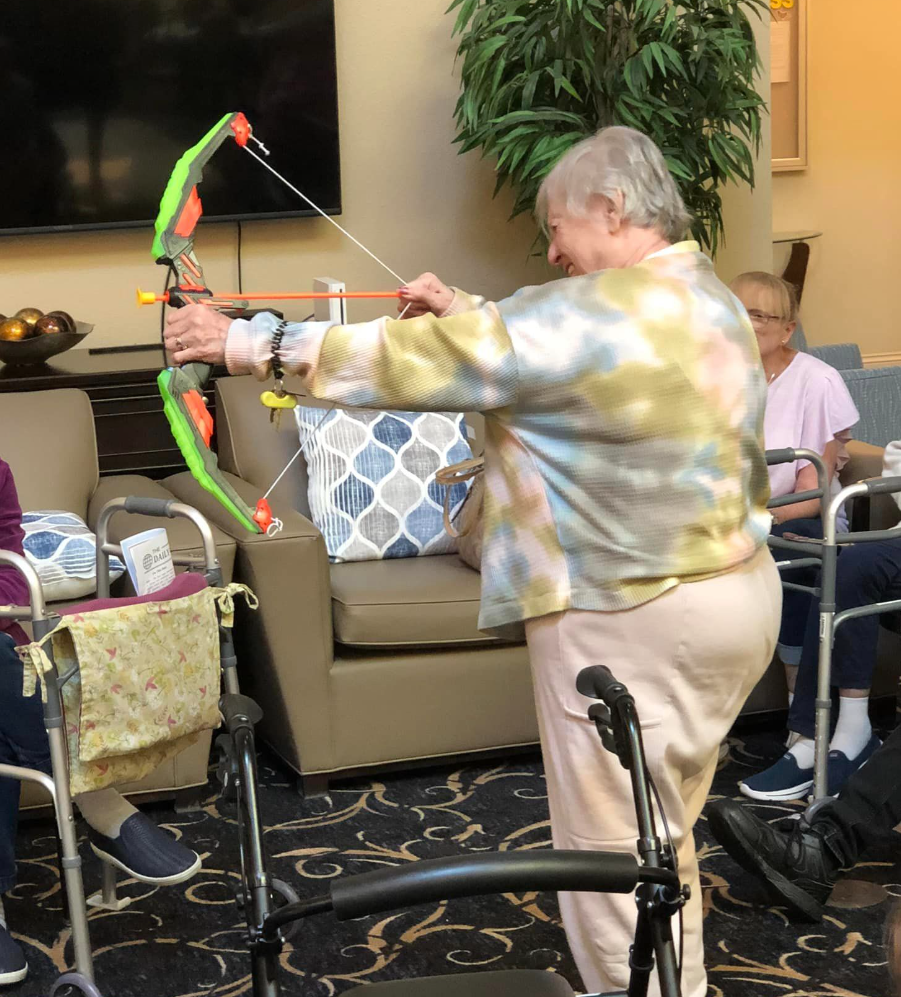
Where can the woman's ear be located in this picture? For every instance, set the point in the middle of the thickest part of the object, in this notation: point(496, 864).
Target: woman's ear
point(610, 212)
point(790, 330)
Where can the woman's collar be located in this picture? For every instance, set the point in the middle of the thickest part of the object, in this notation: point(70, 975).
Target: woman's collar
point(687, 246)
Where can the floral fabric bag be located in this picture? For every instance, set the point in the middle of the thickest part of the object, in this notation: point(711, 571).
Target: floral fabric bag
point(145, 678)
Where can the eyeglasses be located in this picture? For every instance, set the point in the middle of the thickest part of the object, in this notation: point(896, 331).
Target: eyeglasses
point(761, 318)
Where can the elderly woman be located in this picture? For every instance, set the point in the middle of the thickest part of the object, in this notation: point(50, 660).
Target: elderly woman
point(625, 490)
point(808, 406)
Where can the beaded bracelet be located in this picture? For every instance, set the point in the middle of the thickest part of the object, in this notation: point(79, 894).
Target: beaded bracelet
point(277, 337)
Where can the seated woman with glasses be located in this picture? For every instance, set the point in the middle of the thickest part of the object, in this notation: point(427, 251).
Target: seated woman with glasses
point(808, 407)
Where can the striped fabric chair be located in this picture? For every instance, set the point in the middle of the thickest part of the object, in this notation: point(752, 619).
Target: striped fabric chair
point(877, 394)
point(841, 356)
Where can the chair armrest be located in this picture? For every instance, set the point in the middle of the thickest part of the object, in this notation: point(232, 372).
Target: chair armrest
point(183, 536)
point(285, 649)
point(876, 512)
point(864, 461)
point(186, 488)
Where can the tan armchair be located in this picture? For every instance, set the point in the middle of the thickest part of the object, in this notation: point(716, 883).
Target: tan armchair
point(48, 440)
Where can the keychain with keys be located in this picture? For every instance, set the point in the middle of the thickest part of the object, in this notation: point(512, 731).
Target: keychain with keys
point(277, 401)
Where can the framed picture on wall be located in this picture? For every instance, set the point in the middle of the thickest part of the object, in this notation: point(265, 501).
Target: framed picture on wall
point(788, 85)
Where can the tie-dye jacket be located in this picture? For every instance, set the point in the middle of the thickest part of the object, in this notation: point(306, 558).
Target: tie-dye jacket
point(623, 414)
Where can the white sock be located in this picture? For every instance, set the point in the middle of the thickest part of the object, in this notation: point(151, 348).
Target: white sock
point(853, 730)
point(105, 810)
point(803, 751)
point(791, 699)
point(2, 914)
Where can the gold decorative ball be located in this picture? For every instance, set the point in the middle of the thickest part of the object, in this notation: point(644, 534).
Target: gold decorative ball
point(29, 315)
point(13, 330)
point(66, 320)
point(49, 325)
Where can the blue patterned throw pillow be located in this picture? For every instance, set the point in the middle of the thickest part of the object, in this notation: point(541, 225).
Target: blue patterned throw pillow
point(372, 488)
point(63, 551)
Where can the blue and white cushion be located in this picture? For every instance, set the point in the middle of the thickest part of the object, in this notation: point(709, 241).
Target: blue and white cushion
point(372, 488)
point(63, 551)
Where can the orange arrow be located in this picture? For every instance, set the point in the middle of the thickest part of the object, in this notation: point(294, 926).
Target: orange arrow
point(149, 298)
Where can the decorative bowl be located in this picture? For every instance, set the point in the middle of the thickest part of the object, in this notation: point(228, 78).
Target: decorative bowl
point(39, 349)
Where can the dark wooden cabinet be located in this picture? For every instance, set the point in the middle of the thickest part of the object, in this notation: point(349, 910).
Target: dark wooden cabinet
point(133, 435)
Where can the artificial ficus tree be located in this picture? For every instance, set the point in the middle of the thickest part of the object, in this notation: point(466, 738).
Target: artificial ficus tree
point(540, 75)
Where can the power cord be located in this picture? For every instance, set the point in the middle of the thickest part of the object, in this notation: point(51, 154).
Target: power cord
point(240, 269)
point(170, 270)
point(672, 847)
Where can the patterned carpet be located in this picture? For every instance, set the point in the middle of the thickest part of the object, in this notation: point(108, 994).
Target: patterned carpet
point(185, 941)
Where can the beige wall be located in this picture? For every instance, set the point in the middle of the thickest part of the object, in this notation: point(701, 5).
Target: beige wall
point(747, 214)
point(407, 195)
point(852, 188)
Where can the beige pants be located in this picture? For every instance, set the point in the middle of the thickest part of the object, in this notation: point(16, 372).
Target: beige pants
point(690, 658)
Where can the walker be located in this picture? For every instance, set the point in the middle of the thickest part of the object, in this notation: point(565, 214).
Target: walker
point(824, 554)
point(237, 744)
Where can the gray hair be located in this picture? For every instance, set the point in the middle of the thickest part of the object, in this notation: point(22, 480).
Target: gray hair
point(617, 163)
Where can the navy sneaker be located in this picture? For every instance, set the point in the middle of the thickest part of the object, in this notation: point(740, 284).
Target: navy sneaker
point(146, 852)
point(13, 967)
point(785, 780)
point(840, 768)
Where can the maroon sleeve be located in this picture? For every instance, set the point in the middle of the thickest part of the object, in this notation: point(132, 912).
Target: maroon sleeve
point(13, 590)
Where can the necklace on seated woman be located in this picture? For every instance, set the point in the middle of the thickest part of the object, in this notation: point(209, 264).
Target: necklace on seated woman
point(785, 357)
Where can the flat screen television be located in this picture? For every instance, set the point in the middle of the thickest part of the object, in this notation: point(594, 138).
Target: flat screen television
point(99, 98)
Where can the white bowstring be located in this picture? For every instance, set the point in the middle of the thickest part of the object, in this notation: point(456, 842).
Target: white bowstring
point(299, 452)
point(328, 218)
point(368, 252)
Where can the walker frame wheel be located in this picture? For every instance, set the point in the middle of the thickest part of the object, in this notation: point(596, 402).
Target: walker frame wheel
point(73, 985)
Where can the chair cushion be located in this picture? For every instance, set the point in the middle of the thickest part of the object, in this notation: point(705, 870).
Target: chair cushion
point(508, 983)
point(420, 601)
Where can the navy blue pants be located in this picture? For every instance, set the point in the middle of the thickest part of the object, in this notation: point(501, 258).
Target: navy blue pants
point(867, 573)
point(23, 741)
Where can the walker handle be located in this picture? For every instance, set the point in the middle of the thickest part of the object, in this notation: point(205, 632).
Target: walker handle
point(784, 456)
point(477, 875)
point(598, 682)
point(150, 506)
point(882, 486)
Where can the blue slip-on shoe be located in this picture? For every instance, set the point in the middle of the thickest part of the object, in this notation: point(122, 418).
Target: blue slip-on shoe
point(785, 780)
point(840, 768)
point(146, 852)
point(13, 967)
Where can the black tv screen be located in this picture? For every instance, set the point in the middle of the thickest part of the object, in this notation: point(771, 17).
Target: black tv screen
point(99, 98)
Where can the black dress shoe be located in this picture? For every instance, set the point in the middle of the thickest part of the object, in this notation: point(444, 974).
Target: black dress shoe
point(146, 852)
point(798, 866)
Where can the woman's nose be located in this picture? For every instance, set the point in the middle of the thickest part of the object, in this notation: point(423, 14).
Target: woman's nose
point(553, 254)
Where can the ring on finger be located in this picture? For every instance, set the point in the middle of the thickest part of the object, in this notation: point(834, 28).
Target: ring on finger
point(179, 345)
